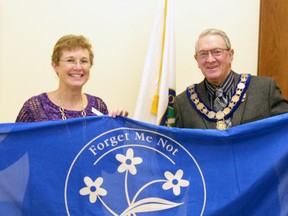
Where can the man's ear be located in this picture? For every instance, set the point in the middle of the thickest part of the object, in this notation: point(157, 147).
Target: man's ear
point(231, 53)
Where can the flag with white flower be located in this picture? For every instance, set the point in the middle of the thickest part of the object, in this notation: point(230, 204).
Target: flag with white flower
point(122, 167)
point(134, 204)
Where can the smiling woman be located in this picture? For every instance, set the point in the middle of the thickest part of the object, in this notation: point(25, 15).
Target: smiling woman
point(72, 59)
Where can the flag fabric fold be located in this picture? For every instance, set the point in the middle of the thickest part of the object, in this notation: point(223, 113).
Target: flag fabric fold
point(157, 89)
point(120, 166)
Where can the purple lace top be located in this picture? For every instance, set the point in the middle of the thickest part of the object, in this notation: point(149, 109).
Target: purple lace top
point(40, 108)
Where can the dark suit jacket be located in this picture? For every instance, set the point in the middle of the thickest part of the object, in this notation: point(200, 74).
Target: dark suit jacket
point(263, 100)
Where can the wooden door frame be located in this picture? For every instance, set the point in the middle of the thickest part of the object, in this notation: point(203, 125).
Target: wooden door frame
point(273, 42)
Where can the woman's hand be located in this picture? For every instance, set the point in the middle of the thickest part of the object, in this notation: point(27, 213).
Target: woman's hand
point(118, 112)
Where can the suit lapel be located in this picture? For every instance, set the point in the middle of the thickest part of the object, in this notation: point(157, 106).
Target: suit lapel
point(239, 112)
point(202, 93)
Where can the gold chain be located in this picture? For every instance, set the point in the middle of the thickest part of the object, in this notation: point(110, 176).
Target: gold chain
point(220, 115)
point(62, 110)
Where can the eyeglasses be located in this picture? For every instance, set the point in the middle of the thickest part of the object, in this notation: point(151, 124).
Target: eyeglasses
point(214, 52)
point(74, 62)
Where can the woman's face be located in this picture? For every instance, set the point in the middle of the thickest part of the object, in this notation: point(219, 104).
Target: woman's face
point(73, 69)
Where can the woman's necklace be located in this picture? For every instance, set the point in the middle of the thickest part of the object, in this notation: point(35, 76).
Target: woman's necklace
point(62, 110)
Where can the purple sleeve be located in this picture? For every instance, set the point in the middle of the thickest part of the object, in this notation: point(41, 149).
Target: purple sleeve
point(25, 114)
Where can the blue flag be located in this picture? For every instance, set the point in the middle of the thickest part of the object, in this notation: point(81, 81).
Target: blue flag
point(106, 166)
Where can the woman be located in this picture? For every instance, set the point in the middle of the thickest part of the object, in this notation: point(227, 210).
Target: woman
point(72, 59)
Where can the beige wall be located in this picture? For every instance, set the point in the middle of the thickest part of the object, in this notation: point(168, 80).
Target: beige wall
point(119, 31)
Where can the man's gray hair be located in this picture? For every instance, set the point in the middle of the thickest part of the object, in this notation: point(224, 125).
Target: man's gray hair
point(214, 32)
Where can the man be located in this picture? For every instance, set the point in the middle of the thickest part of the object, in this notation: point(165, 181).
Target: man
point(224, 98)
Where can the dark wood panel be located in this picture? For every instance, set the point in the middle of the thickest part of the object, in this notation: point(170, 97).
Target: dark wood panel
point(273, 42)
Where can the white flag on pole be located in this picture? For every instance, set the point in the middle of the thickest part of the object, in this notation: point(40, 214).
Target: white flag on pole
point(157, 88)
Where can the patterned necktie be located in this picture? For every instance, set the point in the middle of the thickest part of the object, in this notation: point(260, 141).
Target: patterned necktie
point(220, 101)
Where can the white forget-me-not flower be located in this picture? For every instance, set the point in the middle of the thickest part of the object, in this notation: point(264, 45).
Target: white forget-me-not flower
point(175, 181)
point(128, 162)
point(93, 189)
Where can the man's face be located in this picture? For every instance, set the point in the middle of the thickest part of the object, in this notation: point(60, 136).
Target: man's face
point(213, 58)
